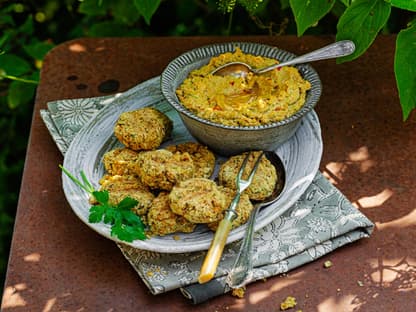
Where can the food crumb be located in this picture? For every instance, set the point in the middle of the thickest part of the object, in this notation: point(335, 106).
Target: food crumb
point(176, 237)
point(239, 292)
point(360, 283)
point(327, 264)
point(288, 303)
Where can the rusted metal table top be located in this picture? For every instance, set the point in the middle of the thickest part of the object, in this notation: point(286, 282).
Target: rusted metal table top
point(59, 264)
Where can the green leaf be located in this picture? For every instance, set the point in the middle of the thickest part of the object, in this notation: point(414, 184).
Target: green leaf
point(6, 20)
point(361, 23)
point(284, 4)
point(127, 233)
point(38, 50)
point(14, 65)
point(125, 12)
point(131, 218)
point(127, 203)
point(405, 69)
point(7, 9)
point(308, 13)
point(96, 213)
point(94, 7)
point(20, 93)
point(253, 7)
point(101, 196)
point(347, 3)
point(111, 215)
point(27, 27)
point(6, 37)
point(147, 8)
point(409, 5)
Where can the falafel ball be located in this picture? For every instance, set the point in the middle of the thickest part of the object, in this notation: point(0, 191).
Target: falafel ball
point(143, 129)
point(204, 159)
point(163, 221)
point(162, 169)
point(120, 161)
point(264, 180)
point(199, 200)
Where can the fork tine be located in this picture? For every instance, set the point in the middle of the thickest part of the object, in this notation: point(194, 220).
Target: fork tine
point(240, 182)
point(256, 164)
point(242, 168)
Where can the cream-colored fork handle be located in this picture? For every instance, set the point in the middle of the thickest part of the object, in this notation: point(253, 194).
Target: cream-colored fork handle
point(209, 267)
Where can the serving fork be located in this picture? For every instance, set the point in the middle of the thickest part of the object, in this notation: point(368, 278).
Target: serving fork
point(212, 258)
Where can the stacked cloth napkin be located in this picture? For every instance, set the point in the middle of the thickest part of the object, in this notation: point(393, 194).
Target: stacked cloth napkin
point(318, 223)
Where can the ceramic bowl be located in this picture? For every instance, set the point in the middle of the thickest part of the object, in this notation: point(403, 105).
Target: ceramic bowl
point(230, 140)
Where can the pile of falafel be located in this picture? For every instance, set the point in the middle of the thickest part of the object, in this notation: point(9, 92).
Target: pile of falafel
point(173, 185)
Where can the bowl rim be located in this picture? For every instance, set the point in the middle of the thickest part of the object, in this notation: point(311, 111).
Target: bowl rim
point(205, 52)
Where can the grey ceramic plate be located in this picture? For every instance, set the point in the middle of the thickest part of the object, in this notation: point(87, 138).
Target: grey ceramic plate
point(301, 156)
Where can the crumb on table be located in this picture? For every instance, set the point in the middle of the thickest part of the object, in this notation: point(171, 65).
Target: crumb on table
point(288, 303)
point(239, 292)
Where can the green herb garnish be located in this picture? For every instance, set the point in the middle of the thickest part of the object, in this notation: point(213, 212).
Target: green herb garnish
point(125, 224)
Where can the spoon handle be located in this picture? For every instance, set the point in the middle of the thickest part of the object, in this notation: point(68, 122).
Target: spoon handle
point(334, 50)
point(242, 269)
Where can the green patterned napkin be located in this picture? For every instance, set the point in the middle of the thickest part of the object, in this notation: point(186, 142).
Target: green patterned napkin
point(318, 223)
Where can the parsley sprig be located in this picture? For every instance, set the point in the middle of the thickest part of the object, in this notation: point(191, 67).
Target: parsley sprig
point(125, 224)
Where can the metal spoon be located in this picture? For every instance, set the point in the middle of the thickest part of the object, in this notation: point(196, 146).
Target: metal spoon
point(242, 269)
point(240, 69)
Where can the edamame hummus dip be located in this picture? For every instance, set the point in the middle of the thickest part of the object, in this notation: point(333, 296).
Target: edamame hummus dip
point(250, 101)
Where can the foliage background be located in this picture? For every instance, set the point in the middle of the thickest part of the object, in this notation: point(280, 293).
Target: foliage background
point(29, 29)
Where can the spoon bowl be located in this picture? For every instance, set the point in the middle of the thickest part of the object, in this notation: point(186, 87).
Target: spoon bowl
point(334, 50)
point(241, 272)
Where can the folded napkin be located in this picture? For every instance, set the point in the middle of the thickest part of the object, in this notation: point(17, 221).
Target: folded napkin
point(319, 222)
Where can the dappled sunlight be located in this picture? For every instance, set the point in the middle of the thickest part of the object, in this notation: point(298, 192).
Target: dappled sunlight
point(49, 305)
point(99, 49)
point(405, 221)
point(397, 275)
point(375, 200)
point(380, 275)
point(255, 297)
point(79, 48)
point(12, 297)
point(333, 171)
point(359, 158)
point(337, 303)
point(76, 47)
point(33, 257)
point(284, 282)
point(393, 273)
